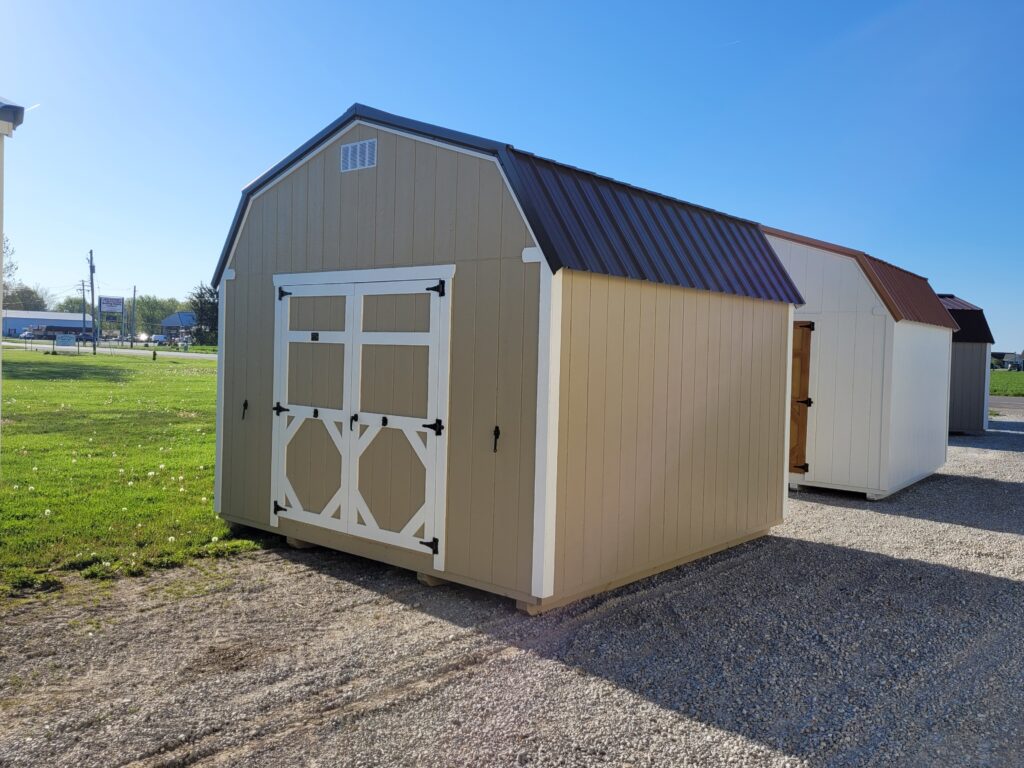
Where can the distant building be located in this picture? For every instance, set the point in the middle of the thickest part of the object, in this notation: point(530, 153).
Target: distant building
point(15, 321)
point(178, 322)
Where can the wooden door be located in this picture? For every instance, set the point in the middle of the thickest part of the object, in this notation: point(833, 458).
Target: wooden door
point(801, 401)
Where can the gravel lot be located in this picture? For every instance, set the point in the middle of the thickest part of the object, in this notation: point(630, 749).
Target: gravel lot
point(865, 634)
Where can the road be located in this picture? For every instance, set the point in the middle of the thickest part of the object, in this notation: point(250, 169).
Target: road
point(1009, 406)
point(46, 346)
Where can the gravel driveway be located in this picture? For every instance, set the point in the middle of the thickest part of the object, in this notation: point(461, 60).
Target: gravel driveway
point(859, 633)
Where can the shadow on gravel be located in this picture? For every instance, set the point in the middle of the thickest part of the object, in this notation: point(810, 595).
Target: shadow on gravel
point(975, 502)
point(1001, 436)
point(818, 651)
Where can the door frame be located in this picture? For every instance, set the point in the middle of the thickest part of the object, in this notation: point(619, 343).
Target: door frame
point(350, 283)
point(808, 327)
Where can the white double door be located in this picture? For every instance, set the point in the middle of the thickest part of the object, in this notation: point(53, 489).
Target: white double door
point(360, 406)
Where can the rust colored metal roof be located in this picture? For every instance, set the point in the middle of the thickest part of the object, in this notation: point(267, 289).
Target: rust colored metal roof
point(906, 295)
point(971, 319)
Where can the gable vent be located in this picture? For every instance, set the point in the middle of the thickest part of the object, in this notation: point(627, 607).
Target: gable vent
point(359, 154)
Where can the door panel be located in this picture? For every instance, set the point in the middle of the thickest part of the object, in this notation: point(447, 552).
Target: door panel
point(801, 399)
point(361, 402)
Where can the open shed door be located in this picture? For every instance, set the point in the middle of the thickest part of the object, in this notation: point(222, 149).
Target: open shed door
point(801, 397)
point(361, 401)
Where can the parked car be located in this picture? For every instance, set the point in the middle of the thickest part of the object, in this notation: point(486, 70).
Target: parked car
point(159, 339)
point(26, 335)
point(85, 338)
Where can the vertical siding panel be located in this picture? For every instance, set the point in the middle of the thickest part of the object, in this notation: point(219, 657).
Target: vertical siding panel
point(689, 405)
point(659, 437)
point(528, 441)
point(445, 196)
point(726, 413)
point(597, 409)
point(574, 511)
point(612, 452)
point(299, 223)
point(332, 209)
point(489, 226)
point(714, 430)
point(645, 425)
point(510, 419)
point(462, 404)
point(860, 393)
point(879, 360)
point(703, 428)
point(628, 420)
point(764, 462)
point(467, 219)
point(366, 227)
point(349, 218)
point(747, 500)
point(405, 171)
point(424, 204)
point(315, 214)
point(842, 437)
point(563, 434)
point(673, 419)
point(384, 215)
point(484, 415)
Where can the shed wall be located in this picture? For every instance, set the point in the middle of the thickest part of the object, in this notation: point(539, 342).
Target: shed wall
point(672, 423)
point(968, 387)
point(920, 402)
point(422, 204)
point(850, 349)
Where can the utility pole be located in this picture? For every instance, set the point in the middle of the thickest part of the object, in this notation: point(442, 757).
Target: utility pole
point(133, 318)
point(92, 298)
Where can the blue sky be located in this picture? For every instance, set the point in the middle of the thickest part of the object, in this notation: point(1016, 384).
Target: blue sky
point(897, 128)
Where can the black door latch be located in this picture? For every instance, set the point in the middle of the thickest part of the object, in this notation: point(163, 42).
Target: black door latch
point(279, 409)
point(352, 421)
point(497, 434)
point(806, 401)
point(245, 407)
point(437, 425)
point(803, 467)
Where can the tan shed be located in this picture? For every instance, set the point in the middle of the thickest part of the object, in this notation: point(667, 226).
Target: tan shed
point(489, 368)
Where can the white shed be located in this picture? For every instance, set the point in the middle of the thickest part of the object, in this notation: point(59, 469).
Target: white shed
point(871, 370)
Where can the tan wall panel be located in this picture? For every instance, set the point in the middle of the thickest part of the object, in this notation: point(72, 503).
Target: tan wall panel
point(673, 407)
point(421, 204)
point(967, 389)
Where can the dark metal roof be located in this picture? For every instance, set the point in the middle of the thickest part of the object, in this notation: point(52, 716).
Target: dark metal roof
point(906, 295)
point(971, 319)
point(593, 223)
point(11, 112)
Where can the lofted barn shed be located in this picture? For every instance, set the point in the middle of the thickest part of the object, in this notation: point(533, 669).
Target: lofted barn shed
point(491, 368)
point(971, 367)
point(871, 362)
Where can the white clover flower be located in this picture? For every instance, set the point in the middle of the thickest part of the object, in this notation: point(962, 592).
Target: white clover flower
point(181, 490)
point(161, 466)
point(170, 538)
point(31, 487)
point(131, 482)
point(151, 474)
point(214, 539)
point(124, 509)
point(35, 469)
point(16, 487)
point(203, 499)
point(201, 466)
point(74, 461)
point(120, 471)
point(47, 513)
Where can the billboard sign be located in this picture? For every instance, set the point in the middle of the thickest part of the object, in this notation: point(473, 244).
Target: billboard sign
point(65, 340)
point(111, 305)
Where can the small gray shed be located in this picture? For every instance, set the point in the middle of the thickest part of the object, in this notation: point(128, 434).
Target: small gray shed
point(970, 368)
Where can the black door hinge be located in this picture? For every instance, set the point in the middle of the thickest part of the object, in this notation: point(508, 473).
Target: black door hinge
point(314, 336)
point(431, 545)
point(245, 407)
point(279, 409)
point(803, 467)
point(281, 293)
point(437, 426)
point(806, 401)
point(438, 289)
point(278, 509)
point(810, 326)
point(316, 413)
point(497, 434)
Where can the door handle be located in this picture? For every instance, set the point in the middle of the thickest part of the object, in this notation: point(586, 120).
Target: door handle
point(806, 401)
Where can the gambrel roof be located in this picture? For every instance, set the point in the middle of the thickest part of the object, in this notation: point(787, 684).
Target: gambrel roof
point(971, 319)
point(906, 295)
point(584, 221)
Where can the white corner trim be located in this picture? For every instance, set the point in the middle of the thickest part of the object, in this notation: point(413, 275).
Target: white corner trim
point(380, 275)
point(218, 460)
point(788, 406)
point(532, 255)
point(545, 484)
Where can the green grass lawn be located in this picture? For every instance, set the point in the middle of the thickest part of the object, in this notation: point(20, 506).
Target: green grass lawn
point(1007, 383)
point(106, 467)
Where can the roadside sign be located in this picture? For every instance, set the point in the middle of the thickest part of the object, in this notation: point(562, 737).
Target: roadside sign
point(112, 304)
point(65, 341)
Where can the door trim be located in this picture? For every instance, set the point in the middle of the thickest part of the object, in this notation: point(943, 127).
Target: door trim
point(380, 275)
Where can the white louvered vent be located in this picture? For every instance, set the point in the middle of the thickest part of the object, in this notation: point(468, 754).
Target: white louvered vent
point(358, 155)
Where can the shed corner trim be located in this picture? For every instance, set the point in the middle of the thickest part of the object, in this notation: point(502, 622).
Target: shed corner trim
point(218, 461)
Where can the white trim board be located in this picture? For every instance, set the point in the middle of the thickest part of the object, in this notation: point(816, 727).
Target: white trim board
point(218, 461)
point(379, 275)
point(545, 482)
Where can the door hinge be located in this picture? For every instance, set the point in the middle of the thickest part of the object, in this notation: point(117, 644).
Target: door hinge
point(245, 407)
point(497, 434)
point(805, 468)
point(278, 509)
point(281, 293)
point(279, 409)
point(437, 426)
point(314, 336)
point(806, 401)
point(432, 544)
point(438, 289)
point(808, 325)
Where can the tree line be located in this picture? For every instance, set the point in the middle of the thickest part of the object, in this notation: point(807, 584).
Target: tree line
point(150, 310)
